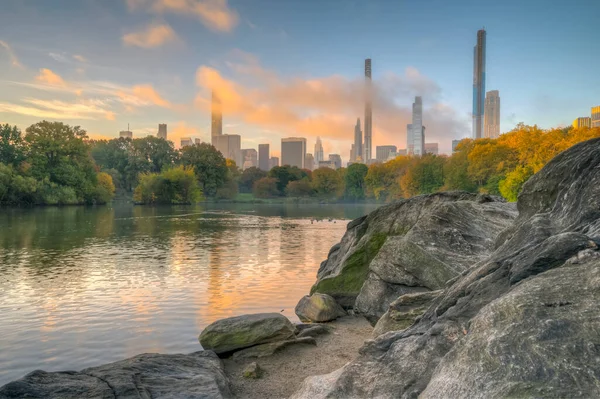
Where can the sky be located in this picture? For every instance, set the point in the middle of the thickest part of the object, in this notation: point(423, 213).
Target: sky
point(293, 68)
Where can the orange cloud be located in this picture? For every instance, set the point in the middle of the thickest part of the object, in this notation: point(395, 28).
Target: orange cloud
point(182, 129)
point(150, 37)
point(79, 58)
point(11, 55)
point(109, 115)
point(48, 77)
point(147, 93)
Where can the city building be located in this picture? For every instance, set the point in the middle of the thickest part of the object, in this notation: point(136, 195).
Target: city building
point(357, 147)
point(319, 156)
point(478, 84)
point(432, 148)
point(126, 134)
point(263, 157)
point(197, 141)
point(402, 152)
point(415, 131)
point(336, 159)
point(186, 141)
point(584, 121)
point(309, 161)
point(368, 112)
point(327, 164)
point(293, 151)
point(216, 119)
point(491, 117)
point(162, 131)
point(230, 146)
point(382, 152)
point(274, 161)
point(596, 116)
point(454, 144)
point(249, 158)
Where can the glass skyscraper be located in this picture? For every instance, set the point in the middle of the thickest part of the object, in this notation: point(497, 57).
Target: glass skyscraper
point(478, 84)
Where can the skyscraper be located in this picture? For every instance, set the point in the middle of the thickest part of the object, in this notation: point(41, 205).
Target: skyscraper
point(336, 159)
point(491, 123)
point(309, 161)
point(582, 122)
point(383, 152)
point(186, 141)
point(415, 131)
point(162, 131)
point(432, 148)
point(368, 112)
point(126, 134)
point(263, 157)
point(230, 146)
point(274, 161)
point(249, 158)
point(358, 144)
point(454, 144)
point(478, 84)
point(596, 116)
point(293, 151)
point(319, 156)
point(216, 127)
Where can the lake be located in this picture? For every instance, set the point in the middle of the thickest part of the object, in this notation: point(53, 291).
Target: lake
point(83, 286)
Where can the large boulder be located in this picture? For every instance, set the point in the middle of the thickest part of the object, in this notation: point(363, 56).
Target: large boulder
point(404, 311)
point(197, 375)
point(523, 322)
point(411, 246)
point(318, 308)
point(233, 333)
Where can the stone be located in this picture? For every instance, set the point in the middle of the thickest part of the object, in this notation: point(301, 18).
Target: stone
point(318, 308)
point(253, 370)
point(404, 311)
point(271, 348)
point(314, 331)
point(197, 375)
point(521, 322)
point(234, 333)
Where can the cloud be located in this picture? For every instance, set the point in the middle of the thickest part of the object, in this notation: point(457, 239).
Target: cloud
point(79, 58)
point(214, 14)
point(58, 57)
point(182, 129)
point(48, 77)
point(55, 109)
point(143, 95)
point(11, 55)
point(150, 37)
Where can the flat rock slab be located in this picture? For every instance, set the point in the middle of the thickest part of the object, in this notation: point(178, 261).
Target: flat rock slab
point(272, 348)
point(313, 331)
point(318, 308)
point(197, 375)
point(228, 335)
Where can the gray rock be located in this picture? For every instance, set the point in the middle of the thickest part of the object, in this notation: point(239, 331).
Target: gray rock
point(313, 331)
point(227, 335)
point(197, 375)
point(404, 311)
point(253, 370)
point(522, 322)
point(271, 348)
point(318, 308)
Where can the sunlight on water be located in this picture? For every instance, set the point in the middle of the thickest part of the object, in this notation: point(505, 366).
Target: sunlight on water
point(85, 286)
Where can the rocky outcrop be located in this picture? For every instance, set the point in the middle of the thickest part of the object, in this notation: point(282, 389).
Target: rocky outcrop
point(197, 375)
point(414, 245)
point(318, 308)
point(404, 311)
point(270, 349)
point(234, 333)
point(522, 322)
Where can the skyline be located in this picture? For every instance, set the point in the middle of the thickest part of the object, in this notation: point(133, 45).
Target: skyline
point(290, 84)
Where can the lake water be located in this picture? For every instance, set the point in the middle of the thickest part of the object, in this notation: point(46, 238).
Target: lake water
point(84, 286)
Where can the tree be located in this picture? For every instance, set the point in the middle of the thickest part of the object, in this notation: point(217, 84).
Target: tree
point(510, 187)
point(11, 145)
point(177, 185)
point(425, 176)
point(209, 165)
point(229, 189)
point(105, 189)
point(355, 181)
point(285, 174)
point(159, 153)
point(299, 188)
point(327, 183)
point(265, 188)
point(249, 177)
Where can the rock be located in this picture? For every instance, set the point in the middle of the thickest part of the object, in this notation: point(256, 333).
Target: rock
point(318, 308)
point(197, 375)
point(271, 348)
point(522, 322)
point(227, 335)
point(404, 311)
point(313, 331)
point(253, 371)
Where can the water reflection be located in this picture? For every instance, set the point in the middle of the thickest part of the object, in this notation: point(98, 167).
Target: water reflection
point(83, 286)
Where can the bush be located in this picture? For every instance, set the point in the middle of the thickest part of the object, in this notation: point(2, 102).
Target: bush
point(105, 189)
point(265, 188)
point(172, 186)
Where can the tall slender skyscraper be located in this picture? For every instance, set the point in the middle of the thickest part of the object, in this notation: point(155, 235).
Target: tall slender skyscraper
point(263, 157)
point(216, 128)
point(491, 125)
point(319, 156)
point(368, 111)
point(357, 149)
point(162, 131)
point(415, 131)
point(478, 84)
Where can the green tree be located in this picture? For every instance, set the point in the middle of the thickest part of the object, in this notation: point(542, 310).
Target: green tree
point(327, 182)
point(510, 187)
point(299, 188)
point(285, 174)
point(265, 188)
point(177, 185)
point(456, 169)
point(355, 181)
point(425, 176)
point(11, 145)
point(248, 177)
point(209, 165)
point(159, 153)
point(229, 189)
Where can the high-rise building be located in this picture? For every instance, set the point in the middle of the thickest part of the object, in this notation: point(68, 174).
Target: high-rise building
point(126, 134)
point(383, 152)
point(584, 121)
point(216, 120)
point(186, 141)
point(357, 147)
point(319, 156)
point(230, 147)
point(478, 84)
point(197, 141)
point(162, 131)
point(263, 157)
point(415, 131)
point(249, 158)
point(368, 112)
point(596, 116)
point(309, 161)
point(454, 144)
point(402, 152)
point(273, 161)
point(336, 159)
point(491, 123)
point(327, 164)
point(432, 148)
point(293, 151)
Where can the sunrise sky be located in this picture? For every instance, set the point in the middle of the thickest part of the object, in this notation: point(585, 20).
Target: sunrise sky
point(293, 68)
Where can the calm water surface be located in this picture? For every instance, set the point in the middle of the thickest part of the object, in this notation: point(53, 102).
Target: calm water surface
point(84, 286)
